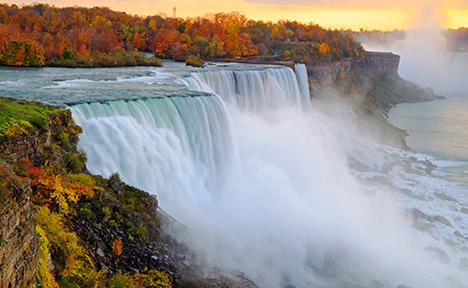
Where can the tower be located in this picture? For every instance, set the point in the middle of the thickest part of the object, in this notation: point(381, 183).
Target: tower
point(174, 12)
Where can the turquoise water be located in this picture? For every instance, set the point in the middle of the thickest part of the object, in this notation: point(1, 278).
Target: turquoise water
point(440, 128)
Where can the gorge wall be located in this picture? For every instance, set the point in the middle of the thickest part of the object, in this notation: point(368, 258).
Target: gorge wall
point(374, 75)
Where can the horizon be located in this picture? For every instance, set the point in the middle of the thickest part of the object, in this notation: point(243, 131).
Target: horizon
point(338, 14)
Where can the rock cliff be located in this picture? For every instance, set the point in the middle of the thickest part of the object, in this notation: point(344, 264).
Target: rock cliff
point(18, 243)
point(374, 75)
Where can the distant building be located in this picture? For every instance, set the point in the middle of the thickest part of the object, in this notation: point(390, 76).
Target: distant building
point(174, 12)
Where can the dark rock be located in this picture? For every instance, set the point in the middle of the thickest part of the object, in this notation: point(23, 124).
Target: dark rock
point(100, 253)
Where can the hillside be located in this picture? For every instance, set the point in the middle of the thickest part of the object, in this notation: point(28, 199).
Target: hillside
point(43, 35)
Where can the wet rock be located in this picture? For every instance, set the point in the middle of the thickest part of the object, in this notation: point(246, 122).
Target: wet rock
point(459, 234)
point(445, 197)
point(441, 254)
point(442, 220)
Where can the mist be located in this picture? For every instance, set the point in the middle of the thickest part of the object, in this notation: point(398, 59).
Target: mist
point(265, 188)
point(424, 56)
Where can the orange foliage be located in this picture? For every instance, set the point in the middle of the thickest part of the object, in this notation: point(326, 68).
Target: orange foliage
point(55, 191)
point(117, 247)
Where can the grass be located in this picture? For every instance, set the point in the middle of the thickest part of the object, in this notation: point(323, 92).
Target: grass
point(19, 117)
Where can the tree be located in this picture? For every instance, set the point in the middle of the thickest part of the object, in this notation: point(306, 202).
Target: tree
point(23, 53)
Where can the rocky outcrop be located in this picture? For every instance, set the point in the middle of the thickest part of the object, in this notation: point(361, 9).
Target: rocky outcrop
point(18, 243)
point(373, 64)
point(374, 75)
point(50, 144)
point(123, 213)
point(54, 143)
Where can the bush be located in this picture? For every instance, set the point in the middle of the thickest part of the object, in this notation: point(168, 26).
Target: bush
point(55, 191)
point(147, 279)
point(194, 61)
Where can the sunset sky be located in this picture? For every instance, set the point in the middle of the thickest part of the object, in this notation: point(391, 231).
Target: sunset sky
point(354, 14)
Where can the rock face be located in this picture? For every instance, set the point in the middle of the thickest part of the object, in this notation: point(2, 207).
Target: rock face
point(18, 243)
point(55, 143)
point(372, 64)
point(374, 75)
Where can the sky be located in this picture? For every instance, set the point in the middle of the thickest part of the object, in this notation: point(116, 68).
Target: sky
point(352, 14)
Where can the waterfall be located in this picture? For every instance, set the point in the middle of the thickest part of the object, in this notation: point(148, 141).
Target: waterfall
point(260, 178)
point(303, 81)
point(255, 89)
point(155, 143)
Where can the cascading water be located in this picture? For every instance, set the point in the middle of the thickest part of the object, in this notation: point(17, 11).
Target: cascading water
point(255, 90)
point(260, 179)
point(157, 144)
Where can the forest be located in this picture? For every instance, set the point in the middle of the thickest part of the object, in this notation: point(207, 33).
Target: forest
point(42, 35)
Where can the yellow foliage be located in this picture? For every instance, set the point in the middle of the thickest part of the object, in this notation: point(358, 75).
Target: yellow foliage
point(77, 266)
point(147, 279)
point(58, 191)
point(44, 277)
point(16, 128)
point(82, 178)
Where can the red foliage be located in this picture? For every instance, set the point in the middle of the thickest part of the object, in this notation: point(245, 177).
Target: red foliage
point(79, 33)
point(55, 191)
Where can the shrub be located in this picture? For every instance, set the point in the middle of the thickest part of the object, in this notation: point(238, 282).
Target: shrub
point(117, 247)
point(147, 279)
point(56, 191)
point(194, 61)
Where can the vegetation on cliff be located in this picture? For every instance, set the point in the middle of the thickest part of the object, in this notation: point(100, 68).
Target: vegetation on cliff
point(47, 181)
point(40, 35)
point(19, 118)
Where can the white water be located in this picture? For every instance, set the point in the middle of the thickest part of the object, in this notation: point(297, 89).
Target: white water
point(261, 177)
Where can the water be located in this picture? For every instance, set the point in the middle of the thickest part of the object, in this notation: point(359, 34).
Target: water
point(268, 183)
point(438, 128)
